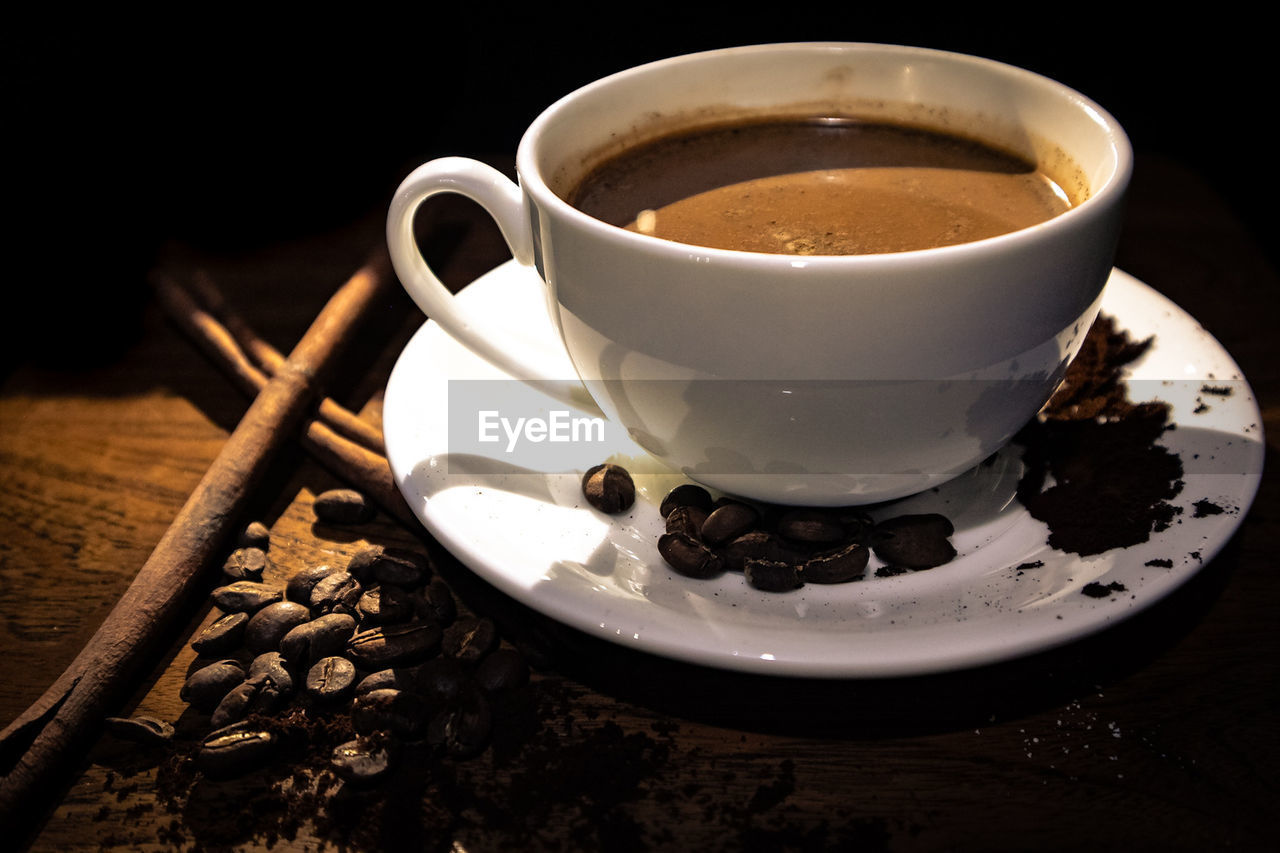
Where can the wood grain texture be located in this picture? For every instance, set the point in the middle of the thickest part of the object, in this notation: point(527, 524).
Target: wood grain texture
point(1159, 733)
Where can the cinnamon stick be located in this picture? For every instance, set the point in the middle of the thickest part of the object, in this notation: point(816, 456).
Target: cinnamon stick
point(328, 438)
point(37, 747)
point(202, 312)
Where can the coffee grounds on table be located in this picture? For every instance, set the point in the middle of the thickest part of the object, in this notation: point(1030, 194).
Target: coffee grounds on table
point(1095, 473)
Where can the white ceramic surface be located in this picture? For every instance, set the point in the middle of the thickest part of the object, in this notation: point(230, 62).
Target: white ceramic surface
point(733, 365)
point(529, 533)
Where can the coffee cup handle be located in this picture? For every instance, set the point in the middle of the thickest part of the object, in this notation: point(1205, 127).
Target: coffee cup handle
point(504, 201)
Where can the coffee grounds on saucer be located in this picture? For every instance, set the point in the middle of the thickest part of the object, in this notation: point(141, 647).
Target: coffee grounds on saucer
point(1095, 473)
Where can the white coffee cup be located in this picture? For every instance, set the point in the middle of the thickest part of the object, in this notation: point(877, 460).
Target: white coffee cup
point(820, 380)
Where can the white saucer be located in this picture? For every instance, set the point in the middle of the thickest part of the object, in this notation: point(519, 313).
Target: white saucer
point(531, 535)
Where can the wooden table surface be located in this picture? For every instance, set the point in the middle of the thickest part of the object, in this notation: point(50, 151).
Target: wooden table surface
point(1158, 733)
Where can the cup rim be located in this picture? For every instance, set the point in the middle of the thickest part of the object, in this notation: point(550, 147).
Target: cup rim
point(1110, 193)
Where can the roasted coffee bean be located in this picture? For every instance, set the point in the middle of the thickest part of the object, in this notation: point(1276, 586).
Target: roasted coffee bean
point(687, 520)
point(274, 666)
point(441, 680)
point(609, 488)
point(321, 637)
point(269, 625)
point(337, 593)
point(437, 680)
point(687, 494)
point(343, 506)
point(811, 525)
point(151, 731)
point(399, 712)
point(245, 596)
point(401, 567)
point(255, 535)
point(331, 679)
point(386, 605)
point(771, 575)
point(246, 564)
point(727, 522)
point(688, 556)
point(255, 695)
point(435, 603)
point(761, 545)
point(841, 566)
point(394, 645)
point(914, 541)
point(364, 761)
point(223, 635)
point(501, 671)
point(396, 678)
point(857, 524)
point(235, 749)
point(463, 729)
point(470, 638)
point(361, 563)
point(206, 687)
point(303, 581)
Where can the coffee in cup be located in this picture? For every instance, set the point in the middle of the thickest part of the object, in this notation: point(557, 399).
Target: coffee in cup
point(818, 185)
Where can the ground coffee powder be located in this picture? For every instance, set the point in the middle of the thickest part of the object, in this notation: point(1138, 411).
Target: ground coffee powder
point(1095, 473)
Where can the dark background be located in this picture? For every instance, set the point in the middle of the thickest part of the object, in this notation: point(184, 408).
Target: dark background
point(230, 132)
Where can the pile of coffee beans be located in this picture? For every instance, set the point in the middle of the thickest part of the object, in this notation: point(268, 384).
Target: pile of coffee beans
point(780, 548)
point(378, 642)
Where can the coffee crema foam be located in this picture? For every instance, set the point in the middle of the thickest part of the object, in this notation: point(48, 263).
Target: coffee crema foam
point(819, 187)
point(856, 211)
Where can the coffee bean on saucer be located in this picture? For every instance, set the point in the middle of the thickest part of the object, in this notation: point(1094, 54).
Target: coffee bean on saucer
point(686, 494)
point(223, 635)
point(206, 687)
point(914, 541)
point(771, 575)
point(343, 506)
point(688, 556)
point(245, 564)
point(269, 625)
point(759, 544)
point(727, 522)
point(364, 761)
point(811, 526)
point(245, 596)
point(841, 566)
point(687, 520)
point(609, 488)
point(303, 581)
